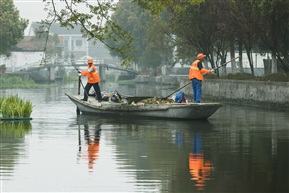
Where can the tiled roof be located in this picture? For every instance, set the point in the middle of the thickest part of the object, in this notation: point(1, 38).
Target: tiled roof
point(27, 44)
point(55, 28)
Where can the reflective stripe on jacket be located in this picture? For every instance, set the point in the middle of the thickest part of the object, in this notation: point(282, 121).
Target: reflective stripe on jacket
point(92, 77)
point(195, 72)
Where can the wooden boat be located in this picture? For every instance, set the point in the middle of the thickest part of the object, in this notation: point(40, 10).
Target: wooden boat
point(190, 111)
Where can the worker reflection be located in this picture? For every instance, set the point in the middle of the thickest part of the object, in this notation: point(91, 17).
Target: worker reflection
point(180, 139)
point(92, 140)
point(200, 168)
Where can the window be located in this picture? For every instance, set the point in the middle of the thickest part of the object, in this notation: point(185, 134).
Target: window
point(78, 43)
point(66, 43)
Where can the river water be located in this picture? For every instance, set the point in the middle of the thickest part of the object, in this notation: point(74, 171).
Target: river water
point(238, 149)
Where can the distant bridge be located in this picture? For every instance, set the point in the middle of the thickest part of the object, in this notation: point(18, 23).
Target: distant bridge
point(109, 66)
point(50, 75)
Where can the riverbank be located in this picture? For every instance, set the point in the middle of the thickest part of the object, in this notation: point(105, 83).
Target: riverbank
point(265, 93)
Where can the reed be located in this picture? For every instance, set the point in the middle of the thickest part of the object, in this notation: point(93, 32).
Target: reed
point(15, 107)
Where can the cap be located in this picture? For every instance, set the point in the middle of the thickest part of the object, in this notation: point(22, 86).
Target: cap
point(90, 61)
point(201, 56)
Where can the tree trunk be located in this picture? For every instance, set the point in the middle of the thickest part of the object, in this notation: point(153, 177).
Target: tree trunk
point(232, 55)
point(241, 57)
point(250, 58)
point(274, 63)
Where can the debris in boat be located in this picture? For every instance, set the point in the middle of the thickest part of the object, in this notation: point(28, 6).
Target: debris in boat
point(156, 101)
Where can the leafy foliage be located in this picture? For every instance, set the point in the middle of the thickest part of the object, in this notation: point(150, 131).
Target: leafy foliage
point(95, 21)
point(11, 27)
point(132, 18)
point(272, 28)
point(210, 26)
point(159, 6)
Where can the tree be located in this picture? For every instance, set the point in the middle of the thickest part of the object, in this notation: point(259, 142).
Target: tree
point(160, 38)
point(273, 29)
point(11, 27)
point(95, 21)
point(174, 5)
point(196, 29)
point(140, 23)
point(246, 20)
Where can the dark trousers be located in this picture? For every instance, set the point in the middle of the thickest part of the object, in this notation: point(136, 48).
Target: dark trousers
point(96, 89)
point(197, 90)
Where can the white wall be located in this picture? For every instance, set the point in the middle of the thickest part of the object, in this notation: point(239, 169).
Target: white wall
point(21, 60)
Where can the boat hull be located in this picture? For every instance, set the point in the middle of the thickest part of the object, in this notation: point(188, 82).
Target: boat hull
point(190, 111)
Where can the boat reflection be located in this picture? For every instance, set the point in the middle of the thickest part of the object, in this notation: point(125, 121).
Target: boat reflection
point(178, 125)
point(200, 168)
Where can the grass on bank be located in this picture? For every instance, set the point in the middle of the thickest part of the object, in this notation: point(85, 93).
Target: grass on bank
point(18, 82)
point(276, 77)
point(15, 107)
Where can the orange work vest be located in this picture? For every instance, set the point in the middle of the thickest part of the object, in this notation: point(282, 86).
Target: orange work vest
point(92, 77)
point(195, 72)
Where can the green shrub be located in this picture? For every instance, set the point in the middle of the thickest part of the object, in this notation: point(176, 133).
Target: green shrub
point(13, 107)
point(277, 77)
point(18, 82)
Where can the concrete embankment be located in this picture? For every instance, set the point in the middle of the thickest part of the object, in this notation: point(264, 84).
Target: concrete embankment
point(274, 94)
point(271, 94)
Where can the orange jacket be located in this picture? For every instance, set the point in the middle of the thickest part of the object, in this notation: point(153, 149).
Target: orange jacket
point(195, 72)
point(92, 77)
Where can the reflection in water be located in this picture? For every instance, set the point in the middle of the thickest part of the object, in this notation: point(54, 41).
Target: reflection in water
point(11, 139)
point(14, 129)
point(179, 139)
point(91, 138)
point(200, 168)
point(240, 149)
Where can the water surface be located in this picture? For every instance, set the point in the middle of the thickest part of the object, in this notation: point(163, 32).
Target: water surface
point(239, 149)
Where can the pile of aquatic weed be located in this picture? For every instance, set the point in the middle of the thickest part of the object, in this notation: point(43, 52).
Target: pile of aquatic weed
point(15, 107)
point(155, 100)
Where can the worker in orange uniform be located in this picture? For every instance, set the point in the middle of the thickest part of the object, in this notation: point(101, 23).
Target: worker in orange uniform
point(92, 80)
point(196, 76)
